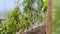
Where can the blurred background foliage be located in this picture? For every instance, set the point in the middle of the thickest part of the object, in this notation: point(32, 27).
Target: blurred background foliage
point(55, 17)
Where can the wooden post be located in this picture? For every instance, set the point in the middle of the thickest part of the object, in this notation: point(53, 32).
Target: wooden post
point(49, 18)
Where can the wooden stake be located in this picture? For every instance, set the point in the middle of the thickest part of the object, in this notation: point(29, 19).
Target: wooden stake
point(49, 18)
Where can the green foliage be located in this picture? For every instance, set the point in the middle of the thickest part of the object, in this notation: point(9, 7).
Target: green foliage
point(17, 20)
point(56, 17)
point(13, 19)
point(34, 13)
